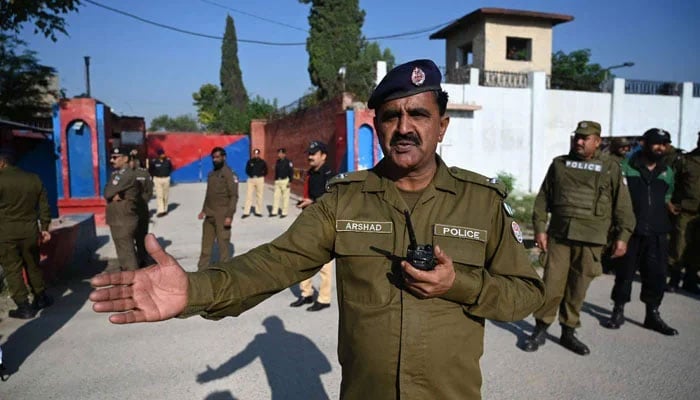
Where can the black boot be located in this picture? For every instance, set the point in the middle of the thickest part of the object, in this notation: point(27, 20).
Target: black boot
point(538, 337)
point(41, 301)
point(23, 311)
point(302, 300)
point(654, 322)
point(569, 341)
point(617, 318)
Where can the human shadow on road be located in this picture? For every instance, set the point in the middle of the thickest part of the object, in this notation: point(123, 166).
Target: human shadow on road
point(172, 207)
point(220, 395)
point(293, 363)
point(521, 329)
point(29, 337)
point(603, 314)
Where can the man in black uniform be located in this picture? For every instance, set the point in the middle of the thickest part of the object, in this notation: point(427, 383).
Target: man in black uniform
point(122, 194)
point(315, 186)
point(145, 185)
point(256, 169)
point(284, 172)
point(160, 169)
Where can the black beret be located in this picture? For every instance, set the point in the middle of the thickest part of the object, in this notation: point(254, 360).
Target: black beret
point(120, 151)
point(656, 136)
point(407, 79)
point(316, 146)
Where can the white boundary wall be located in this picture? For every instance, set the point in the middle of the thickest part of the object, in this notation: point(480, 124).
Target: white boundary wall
point(519, 131)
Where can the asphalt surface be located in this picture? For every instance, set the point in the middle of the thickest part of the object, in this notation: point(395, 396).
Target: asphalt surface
point(274, 351)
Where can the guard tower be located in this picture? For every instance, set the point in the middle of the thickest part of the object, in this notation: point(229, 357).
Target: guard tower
point(498, 39)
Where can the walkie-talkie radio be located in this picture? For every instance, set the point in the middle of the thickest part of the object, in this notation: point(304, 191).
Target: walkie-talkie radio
point(418, 255)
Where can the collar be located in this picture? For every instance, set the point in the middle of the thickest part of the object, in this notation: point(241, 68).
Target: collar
point(442, 180)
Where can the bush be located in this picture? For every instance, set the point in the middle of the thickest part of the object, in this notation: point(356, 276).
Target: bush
point(507, 179)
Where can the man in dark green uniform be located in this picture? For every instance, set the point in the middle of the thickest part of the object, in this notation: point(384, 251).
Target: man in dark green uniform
point(145, 185)
point(684, 207)
point(21, 195)
point(404, 332)
point(584, 192)
point(122, 194)
point(218, 209)
point(619, 147)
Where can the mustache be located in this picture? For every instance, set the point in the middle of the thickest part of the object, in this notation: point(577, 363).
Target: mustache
point(411, 137)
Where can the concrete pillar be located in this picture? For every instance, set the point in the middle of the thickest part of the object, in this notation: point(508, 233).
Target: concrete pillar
point(474, 76)
point(617, 107)
point(686, 135)
point(257, 135)
point(538, 125)
point(381, 71)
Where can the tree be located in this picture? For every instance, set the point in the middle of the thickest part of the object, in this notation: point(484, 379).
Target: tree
point(230, 72)
point(45, 15)
point(209, 101)
point(25, 91)
point(362, 73)
point(574, 71)
point(335, 40)
point(181, 123)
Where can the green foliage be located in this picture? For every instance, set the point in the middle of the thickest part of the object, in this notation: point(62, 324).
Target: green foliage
point(574, 71)
point(522, 208)
point(335, 40)
point(24, 83)
point(507, 179)
point(181, 123)
point(217, 115)
point(230, 71)
point(45, 15)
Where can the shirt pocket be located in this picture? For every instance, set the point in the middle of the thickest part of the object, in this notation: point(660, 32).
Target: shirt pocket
point(465, 252)
point(364, 267)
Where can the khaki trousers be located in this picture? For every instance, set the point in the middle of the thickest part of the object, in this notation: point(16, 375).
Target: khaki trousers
point(213, 229)
point(162, 186)
point(125, 244)
point(568, 271)
point(254, 184)
point(281, 195)
point(324, 292)
point(16, 255)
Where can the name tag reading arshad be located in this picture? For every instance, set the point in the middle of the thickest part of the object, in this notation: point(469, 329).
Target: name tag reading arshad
point(461, 232)
point(346, 225)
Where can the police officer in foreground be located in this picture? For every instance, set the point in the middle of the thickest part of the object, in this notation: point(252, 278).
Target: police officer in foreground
point(585, 193)
point(23, 201)
point(256, 169)
point(684, 208)
point(218, 209)
point(123, 193)
point(161, 168)
point(650, 184)
point(145, 186)
point(284, 172)
point(404, 332)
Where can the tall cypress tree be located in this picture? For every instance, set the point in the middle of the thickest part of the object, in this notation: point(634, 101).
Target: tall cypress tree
point(334, 41)
point(230, 72)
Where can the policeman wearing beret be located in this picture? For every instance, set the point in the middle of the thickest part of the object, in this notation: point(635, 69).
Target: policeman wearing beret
point(585, 194)
point(404, 332)
point(122, 194)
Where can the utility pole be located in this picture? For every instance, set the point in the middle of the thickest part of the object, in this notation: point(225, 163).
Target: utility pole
point(87, 76)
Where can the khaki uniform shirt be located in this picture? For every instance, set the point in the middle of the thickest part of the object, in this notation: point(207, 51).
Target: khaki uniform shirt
point(222, 193)
point(145, 183)
point(392, 344)
point(123, 183)
point(23, 200)
point(687, 185)
point(584, 197)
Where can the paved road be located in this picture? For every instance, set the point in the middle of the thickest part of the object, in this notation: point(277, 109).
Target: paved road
point(274, 351)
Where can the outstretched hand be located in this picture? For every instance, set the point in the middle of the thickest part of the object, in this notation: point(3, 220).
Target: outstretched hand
point(156, 293)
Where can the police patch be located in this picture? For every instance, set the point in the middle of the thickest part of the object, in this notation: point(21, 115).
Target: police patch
point(417, 76)
point(516, 231)
point(461, 232)
point(346, 225)
point(508, 209)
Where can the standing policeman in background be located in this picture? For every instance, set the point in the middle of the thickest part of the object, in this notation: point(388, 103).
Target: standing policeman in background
point(22, 196)
point(404, 332)
point(284, 172)
point(684, 207)
point(160, 169)
point(584, 191)
point(619, 147)
point(218, 209)
point(256, 169)
point(145, 185)
point(651, 186)
point(122, 193)
point(315, 186)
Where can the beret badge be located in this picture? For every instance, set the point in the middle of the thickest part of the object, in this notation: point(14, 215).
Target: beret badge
point(417, 76)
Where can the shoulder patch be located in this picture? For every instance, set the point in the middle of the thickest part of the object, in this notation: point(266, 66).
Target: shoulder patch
point(508, 209)
point(473, 177)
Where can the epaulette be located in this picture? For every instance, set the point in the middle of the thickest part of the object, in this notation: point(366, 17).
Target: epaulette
point(473, 177)
point(347, 177)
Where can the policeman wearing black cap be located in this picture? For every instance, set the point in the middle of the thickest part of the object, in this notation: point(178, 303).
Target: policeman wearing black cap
point(122, 194)
point(404, 332)
point(284, 172)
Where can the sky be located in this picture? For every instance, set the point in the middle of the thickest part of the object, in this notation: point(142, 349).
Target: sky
point(144, 70)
